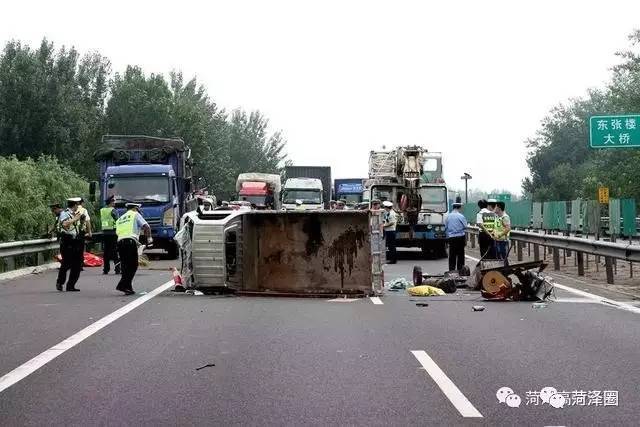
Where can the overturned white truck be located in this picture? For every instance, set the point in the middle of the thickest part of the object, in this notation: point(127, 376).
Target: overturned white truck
point(283, 253)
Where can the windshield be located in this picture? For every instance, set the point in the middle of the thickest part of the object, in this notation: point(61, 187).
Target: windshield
point(254, 200)
point(307, 196)
point(434, 199)
point(350, 198)
point(383, 194)
point(430, 165)
point(147, 189)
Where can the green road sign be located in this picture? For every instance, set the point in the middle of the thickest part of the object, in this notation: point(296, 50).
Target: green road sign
point(505, 197)
point(614, 131)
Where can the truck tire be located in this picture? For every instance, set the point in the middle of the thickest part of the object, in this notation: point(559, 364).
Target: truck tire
point(173, 250)
point(441, 250)
point(427, 251)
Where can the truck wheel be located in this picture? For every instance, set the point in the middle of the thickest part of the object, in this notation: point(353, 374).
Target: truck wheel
point(427, 253)
point(172, 251)
point(441, 252)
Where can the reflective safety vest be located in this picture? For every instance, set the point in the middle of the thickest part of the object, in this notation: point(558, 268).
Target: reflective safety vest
point(125, 226)
point(489, 221)
point(499, 230)
point(106, 217)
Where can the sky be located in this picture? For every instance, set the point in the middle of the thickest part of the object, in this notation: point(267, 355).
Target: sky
point(470, 79)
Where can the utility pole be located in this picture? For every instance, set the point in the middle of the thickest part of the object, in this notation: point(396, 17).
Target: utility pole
point(466, 177)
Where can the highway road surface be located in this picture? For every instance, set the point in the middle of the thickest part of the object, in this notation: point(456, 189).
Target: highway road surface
point(98, 358)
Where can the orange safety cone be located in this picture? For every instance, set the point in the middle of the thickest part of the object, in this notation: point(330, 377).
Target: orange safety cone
point(177, 280)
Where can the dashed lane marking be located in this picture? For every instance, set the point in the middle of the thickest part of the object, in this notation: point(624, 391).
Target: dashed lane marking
point(447, 386)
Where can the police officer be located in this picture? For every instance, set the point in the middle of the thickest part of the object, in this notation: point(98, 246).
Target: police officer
point(501, 232)
point(455, 226)
point(128, 228)
point(389, 221)
point(488, 225)
point(84, 228)
point(71, 246)
point(484, 239)
point(108, 218)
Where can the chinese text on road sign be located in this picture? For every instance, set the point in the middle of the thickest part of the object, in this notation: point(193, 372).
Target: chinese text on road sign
point(614, 131)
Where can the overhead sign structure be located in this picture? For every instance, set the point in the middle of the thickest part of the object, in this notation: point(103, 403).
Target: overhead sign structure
point(504, 197)
point(621, 131)
point(603, 195)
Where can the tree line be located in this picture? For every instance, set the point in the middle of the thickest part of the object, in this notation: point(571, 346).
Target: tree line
point(562, 165)
point(57, 102)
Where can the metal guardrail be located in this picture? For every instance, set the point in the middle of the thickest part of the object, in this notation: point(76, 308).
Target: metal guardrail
point(9, 250)
point(609, 250)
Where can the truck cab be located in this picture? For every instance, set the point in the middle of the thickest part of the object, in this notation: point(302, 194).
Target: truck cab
point(155, 187)
point(152, 171)
point(308, 190)
point(349, 190)
point(260, 190)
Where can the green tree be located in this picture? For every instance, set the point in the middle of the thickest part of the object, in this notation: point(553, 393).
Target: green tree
point(27, 187)
point(222, 147)
point(51, 102)
point(562, 164)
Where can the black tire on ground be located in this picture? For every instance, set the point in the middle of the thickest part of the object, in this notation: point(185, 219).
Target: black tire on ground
point(417, 275)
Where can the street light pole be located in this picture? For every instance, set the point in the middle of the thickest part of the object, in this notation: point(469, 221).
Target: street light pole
point(466, 177)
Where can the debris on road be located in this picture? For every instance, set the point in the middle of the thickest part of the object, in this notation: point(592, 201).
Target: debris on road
point(478, 308)
point(398, 284)
point(208, 365)
point(177, 280)
point(527, 283)
point(425, 291)
point(538, 305)
point(449, 282)
point(194, 292)
point(422, 304)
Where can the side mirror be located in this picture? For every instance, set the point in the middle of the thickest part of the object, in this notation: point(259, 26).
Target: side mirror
point(93, 185)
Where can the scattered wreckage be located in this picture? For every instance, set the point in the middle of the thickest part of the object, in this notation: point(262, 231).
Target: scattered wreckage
point(522, 281)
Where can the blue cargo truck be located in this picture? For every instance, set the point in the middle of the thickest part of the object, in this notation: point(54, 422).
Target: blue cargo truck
point(155, 172)
point(349, 189)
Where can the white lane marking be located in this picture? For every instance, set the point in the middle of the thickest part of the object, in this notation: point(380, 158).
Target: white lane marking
point(447, 386)
point(27, 368)
point(594, 297)
point(575, 300)
point(376, 300)
point(601, 300)
point(344, 300)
